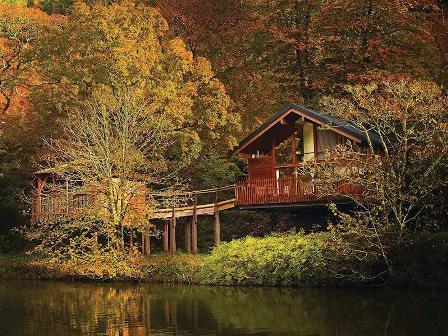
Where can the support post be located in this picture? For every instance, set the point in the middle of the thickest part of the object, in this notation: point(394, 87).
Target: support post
point(187, 236)
point(217, 221)
point(37, 204)
point(147, 243)
point(217, 228)
point(194, 226)
point(165, 236)
point(173, 235)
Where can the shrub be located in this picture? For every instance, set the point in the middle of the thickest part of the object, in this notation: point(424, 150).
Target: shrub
point(277, 260)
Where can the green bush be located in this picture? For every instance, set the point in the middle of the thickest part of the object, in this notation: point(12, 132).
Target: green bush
point(277, 260)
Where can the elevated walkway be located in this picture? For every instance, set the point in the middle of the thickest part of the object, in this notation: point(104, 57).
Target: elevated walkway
point(189, 211)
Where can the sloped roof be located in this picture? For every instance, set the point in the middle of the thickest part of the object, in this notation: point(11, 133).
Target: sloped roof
point(53, 170)
point(343, 127)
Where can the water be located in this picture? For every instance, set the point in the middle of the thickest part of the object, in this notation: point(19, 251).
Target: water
point(59, 309)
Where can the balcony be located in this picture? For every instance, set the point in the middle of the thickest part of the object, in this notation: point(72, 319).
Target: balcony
point(292, 189)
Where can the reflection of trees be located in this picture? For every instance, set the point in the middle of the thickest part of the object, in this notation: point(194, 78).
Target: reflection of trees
point(137, 310)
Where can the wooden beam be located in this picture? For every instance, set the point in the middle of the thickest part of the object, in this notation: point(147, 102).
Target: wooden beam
point(165, 237)
point(217, 228)
point(173, 235)
point(294, 146)
point(147, 244)
point(217, 221)
point(315, 140)
point(194, 226)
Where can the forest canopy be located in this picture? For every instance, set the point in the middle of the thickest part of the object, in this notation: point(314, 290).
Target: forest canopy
point(214, 69)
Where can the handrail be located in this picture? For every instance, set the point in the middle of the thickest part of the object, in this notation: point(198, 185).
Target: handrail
point(197, 192)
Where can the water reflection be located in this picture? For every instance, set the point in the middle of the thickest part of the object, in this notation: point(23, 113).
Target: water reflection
point(47, 308)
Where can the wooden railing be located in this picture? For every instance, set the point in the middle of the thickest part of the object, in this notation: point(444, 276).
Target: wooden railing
point(57, 206)
point(290, 189)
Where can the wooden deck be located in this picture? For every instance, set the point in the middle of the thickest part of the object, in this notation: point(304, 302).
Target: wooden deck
point(288, 190)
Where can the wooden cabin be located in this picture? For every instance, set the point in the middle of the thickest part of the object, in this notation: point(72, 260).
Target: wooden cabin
point(55, 197)
point(277, 150)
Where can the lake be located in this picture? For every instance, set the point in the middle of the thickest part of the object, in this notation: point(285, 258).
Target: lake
point(58, 308)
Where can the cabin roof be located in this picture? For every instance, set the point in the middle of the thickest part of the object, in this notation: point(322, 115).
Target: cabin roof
point(57, 170)
point(337, 125)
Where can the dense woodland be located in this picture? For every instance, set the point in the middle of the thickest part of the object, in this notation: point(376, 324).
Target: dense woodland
point(199, 75)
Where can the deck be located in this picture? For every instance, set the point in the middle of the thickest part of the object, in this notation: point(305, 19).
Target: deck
point(290, 190)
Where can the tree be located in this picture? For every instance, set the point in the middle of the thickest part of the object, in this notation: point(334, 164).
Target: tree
point(124, 44)
point(20, 28)
point(402, 180)
point(278, 51)
point(112, 152)
point(105, 52)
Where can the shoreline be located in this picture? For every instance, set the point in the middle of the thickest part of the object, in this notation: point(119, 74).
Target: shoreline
point(164, 269)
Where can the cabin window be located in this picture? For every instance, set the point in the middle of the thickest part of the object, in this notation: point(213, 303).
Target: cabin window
point(308, 141)
point(299, 143)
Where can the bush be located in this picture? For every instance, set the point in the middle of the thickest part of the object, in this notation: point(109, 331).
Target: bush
point(277, 260)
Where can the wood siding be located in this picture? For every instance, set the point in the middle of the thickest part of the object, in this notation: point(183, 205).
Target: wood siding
point(261, 168)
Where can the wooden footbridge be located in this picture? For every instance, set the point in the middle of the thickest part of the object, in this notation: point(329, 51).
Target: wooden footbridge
point(192, 209)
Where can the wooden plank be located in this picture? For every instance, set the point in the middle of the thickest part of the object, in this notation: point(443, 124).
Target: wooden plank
point(194, 226)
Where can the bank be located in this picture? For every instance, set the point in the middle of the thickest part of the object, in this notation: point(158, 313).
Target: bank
point(279, 260)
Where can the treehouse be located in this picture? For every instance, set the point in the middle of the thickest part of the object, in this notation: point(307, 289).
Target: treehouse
point(60, 194)
point(278, 151)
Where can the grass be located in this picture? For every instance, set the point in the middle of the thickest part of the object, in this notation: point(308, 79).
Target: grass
point(180, 268)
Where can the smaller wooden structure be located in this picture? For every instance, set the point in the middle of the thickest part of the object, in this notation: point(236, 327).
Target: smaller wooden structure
point(57, 199)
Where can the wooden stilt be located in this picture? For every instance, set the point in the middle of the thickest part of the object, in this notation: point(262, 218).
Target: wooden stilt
point(165, 237)
point(173, 235)
point(187, 236)
point(147, 243)
point(131, 241)
point(38, 202)
point(217, 228)
point(217, 221)
point(194, 226)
